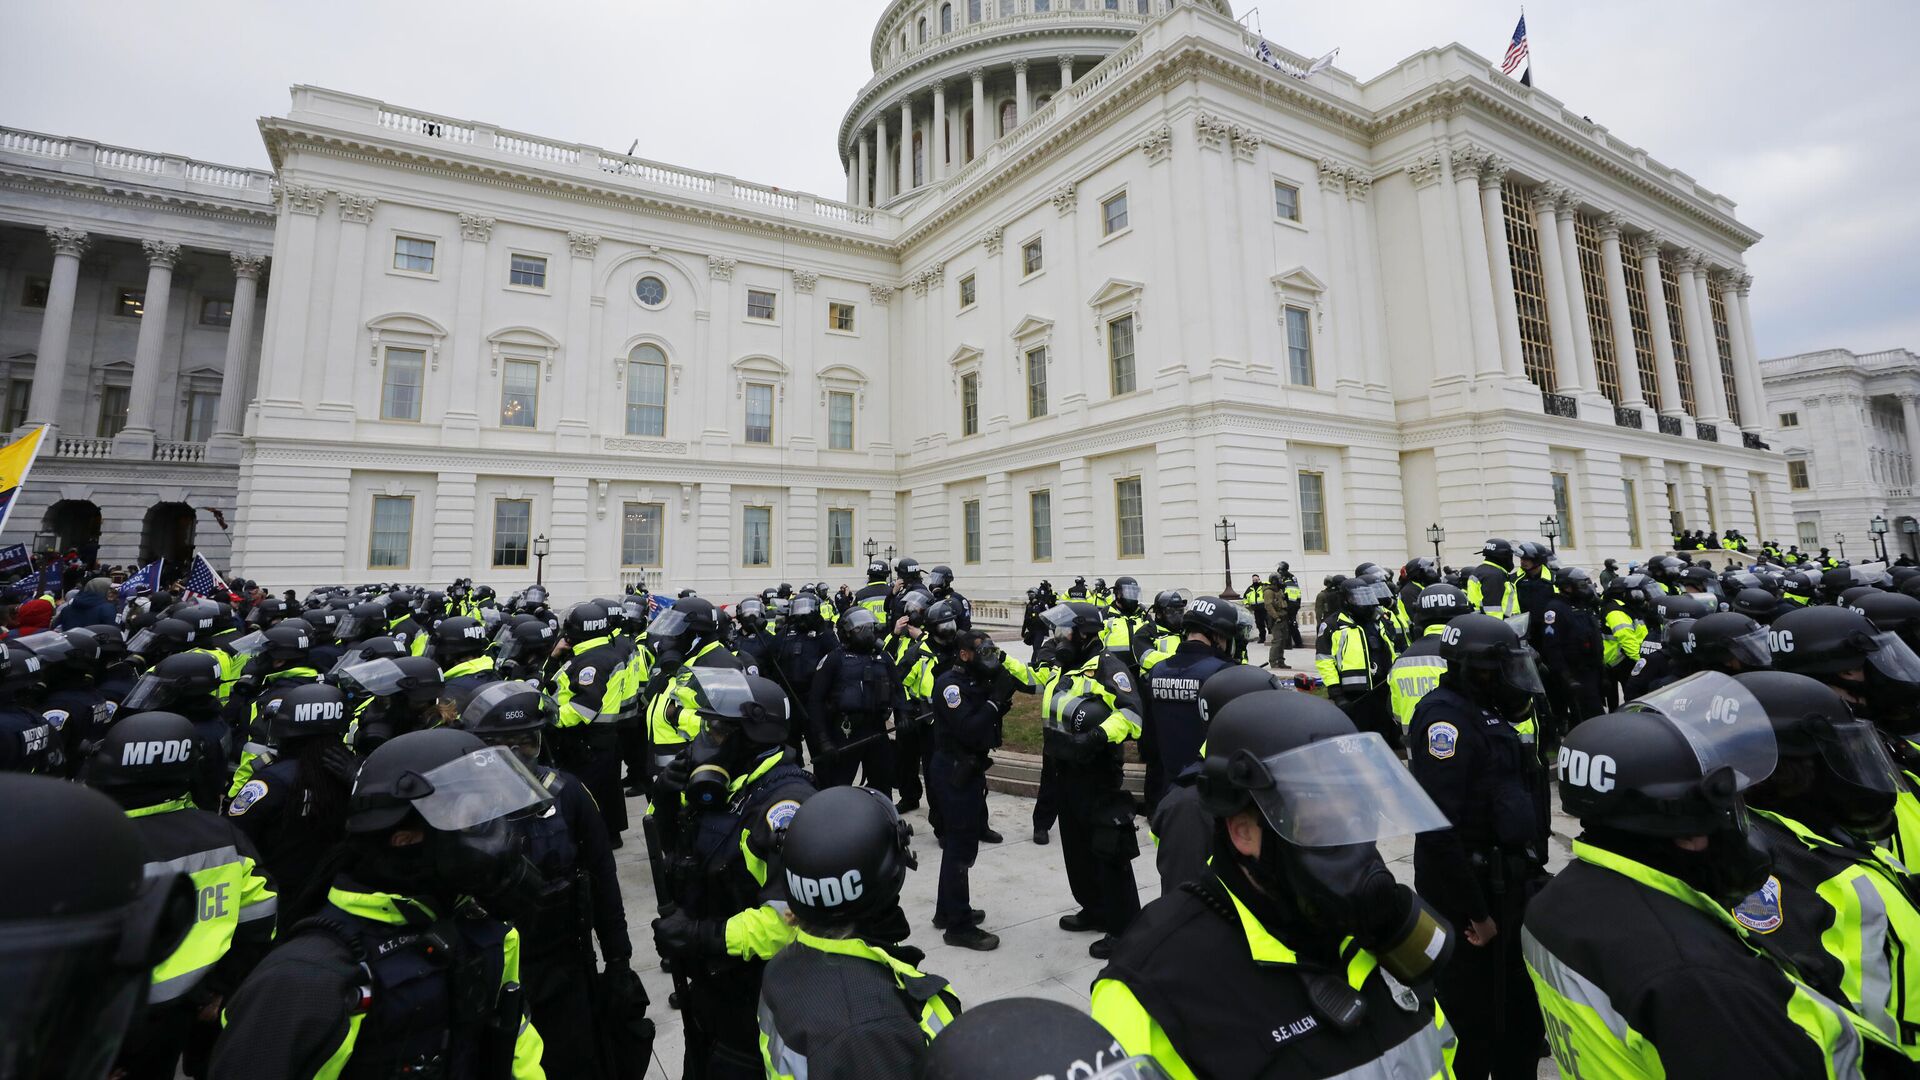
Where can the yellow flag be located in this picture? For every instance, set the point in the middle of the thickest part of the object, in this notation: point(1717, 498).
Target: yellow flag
point(16, 460)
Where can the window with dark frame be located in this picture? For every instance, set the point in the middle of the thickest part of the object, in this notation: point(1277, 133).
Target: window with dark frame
point(412, 254)
point(390, 535)
point(512, 524)
point(641, 526)
point(1130, 515)
point(527, 271)
point(130, 303)
point(970, 403)
point(216, 311)
point(1286, 201)
point(34, 293)
point(759, 413)
point(840, 316)
point(1031, 257)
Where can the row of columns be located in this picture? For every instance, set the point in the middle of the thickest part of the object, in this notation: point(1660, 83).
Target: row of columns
point(1494, 310)
point(870, 180)
point(56, 333)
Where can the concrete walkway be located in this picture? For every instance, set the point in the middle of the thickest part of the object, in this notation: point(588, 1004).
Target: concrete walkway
point(1021, 886)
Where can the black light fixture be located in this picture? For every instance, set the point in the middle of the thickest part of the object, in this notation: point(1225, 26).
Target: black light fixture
point(1550, 529)
point(1840, 540)
point(871, 547)
point(1225, 531)
point(1879, 527)
point(1436, 536)
point(540, 559)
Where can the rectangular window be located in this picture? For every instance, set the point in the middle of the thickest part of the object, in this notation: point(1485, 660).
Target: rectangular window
point(512, 522)
point(1563, 507)
point(413, 254)
point(760, 304)
point(1036, 382)
point(1677, 329)
point(1113, 214)
point(1120, 354)
point(1723, 344)
point(34, 295)
point(1313, 513)
point(1031, 260)
point(1809, 532)
point(216, 312)
point(113, 411)
point(202, 405)
point(1286, 201)
point(1130, 514)
point(1529, 287)
point(970, 403)
point(19, 393)
point(1593, 282)
point(1642, 328)
point(759, 413)
point(130, 303)
point(1789, 419)
point(641, 525)
point(839, 538)
point(756, 536)
point(527, 271)
point(1631, 490)
point(519, 393)
point(1713, 523)
point(391, 543)
point(970, 530)
point(840, 317)
point(1299, 346)
point(839, 420)
point(647, 392)
point(1797, 475)
point(1040, 511)
point(1674, 513)
point(401, 384)
point(969, 292)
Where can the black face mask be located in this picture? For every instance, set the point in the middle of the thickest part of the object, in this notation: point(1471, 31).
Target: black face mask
point(1735, 863)
point(712, 763)
point(1893, 704)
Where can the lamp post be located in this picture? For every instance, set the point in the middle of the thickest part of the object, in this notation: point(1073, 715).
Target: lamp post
point(1841, 540)
point(1550, 529)
point(540, 560)
point(1436, 536)
point(889, 554)
point(871, 547)
point(1911, 529)
point(1225, 532)
point(1878, 526)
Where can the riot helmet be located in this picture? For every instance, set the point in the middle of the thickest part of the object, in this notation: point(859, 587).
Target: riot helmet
point(1725, 641)
point(859, 630)
point(1487, 662)
point(1126, 595)
point(178, 678)
point(1834, 770)
point(1436, 605)
point(1169, 608)
point(305, 712)
point(144, 760)
point(585, 621)
point(846, 855)
point(512, 714)
point(741, 717)
point(1023, 1038)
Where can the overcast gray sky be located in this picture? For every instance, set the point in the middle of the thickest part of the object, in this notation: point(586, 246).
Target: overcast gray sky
point(1808, 116)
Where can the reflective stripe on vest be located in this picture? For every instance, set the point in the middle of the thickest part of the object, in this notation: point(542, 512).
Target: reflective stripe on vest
point(219, 877)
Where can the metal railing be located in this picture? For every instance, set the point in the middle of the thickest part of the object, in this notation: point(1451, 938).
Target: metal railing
point(1706, 432)
point(1560, 405)
point(1670, 425)
point(1627, 418)
point(652, 577)
point(1752, 441)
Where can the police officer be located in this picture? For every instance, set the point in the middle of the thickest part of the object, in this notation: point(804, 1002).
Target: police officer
point(187, 684)
point(940, 584)
point(586, 740)
point(294, 808)
point(76, 711)
point(1665, 848)
point(1160, 636)
point(391, 696)
point(1290, 586)
point(803, 642)
point(1174, 726)
point(579, 897)
point(913, 657)
point(1089, 707)
point(1181, 828)
point(1077, 590)
point(1626, 617)
point(401, 972)
point(1533, 581)
point(874, 594)
point(1416, 672)
point(1835, 907)
point(279, 666)
point(146, 764)
point(742, 786)
point(685, 641)
point(966, 730)
point(1464, 749)
point(1099, 596)
point(1255, 597)
point(752, 642)
point(1566, 634)
point(114, 675)
point(833, 1003)
point(1355, 657)
point(459, 645)
point(1288, 959)
point(523, 649)
point(1489, 585)
point(854, 692)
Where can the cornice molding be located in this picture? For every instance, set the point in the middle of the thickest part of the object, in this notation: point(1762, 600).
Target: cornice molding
point(108, 190)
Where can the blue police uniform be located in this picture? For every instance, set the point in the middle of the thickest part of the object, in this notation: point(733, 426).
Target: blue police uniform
point(966, 730)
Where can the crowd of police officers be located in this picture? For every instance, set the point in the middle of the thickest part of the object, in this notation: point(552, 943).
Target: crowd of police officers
point(371, 834)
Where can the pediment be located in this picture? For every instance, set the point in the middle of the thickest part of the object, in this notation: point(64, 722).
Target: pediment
point(1299, 279)
point(965, 354)
point(1114, 291)
point(1032, 326)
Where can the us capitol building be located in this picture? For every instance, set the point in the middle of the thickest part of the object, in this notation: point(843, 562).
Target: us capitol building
point(1101, 276)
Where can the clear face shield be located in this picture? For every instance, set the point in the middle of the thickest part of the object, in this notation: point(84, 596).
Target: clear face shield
point(1893, 658)
point(670, 623)
point(142, 641)
point(377, 678)
point(355, 655)
point(1722, 722)
point(1752, 649)
point(248, 645)
point(1858, 755)
point(1346, 790)
point(1059, 620)
point(1128, 591)
point(479, 788)
point(1521, 671)
point(149, 692)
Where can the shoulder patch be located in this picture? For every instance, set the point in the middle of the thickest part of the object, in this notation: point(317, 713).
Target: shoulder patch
point(1443, 740)
point(1638, 667)
point(753, 669)
point(1121, 680)
point(951, 695)
point(1760, 912)
point(252, 792)
point(55, 718)
point(585, 676)
point(780, 813)
point(1547, 616)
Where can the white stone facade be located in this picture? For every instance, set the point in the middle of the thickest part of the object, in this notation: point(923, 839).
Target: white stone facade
point(129, 288)
point(1848, 426)
point(1169, 275)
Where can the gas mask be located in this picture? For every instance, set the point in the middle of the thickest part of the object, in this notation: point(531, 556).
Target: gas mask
point(1348, 890)
point(986, 661)
point(712, 760)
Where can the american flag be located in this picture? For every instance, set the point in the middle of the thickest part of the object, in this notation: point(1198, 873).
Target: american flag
point(1517, 52)
point(202, 581)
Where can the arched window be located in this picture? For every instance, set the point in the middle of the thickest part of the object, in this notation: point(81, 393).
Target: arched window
point(647, 391)
point(946, 18)
point(919, 160)
point(966, 135)
point(973, 11)
point(923, 31)
point(1009, 115)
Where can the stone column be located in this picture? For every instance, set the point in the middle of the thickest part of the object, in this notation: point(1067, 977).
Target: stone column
point(980, 129)
point(938, 166)
point(289, 348)
point(1648, 248)
point(1343, 301)
point(1506, 310)
point(906, 145)
point(1553, 269)
point(56, 326)
point(1485, 336)
point(1366, 260)
point(882, 174)
point(1021, 99)
point(853, 180)
point(460, 424)
point(1632, 395)
point(349, 277)
point(1446, 292)
point(225, 444)
point(1910, 416)
point(1743, 322)
point(137, 438)
point(579, 370)
point(1753, 404)
point(864, 196)
point(1709, 393)
point(1066, 72)
point(1577, 296)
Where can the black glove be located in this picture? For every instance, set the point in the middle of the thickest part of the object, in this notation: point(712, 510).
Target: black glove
point(676, 936)
point(1087, 746)
point(677, 774)
point(340, 763)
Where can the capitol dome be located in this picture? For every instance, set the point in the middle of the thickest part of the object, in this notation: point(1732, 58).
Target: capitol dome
point(955, 76)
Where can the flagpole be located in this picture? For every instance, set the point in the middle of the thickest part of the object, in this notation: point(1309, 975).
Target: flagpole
point(40, 439)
